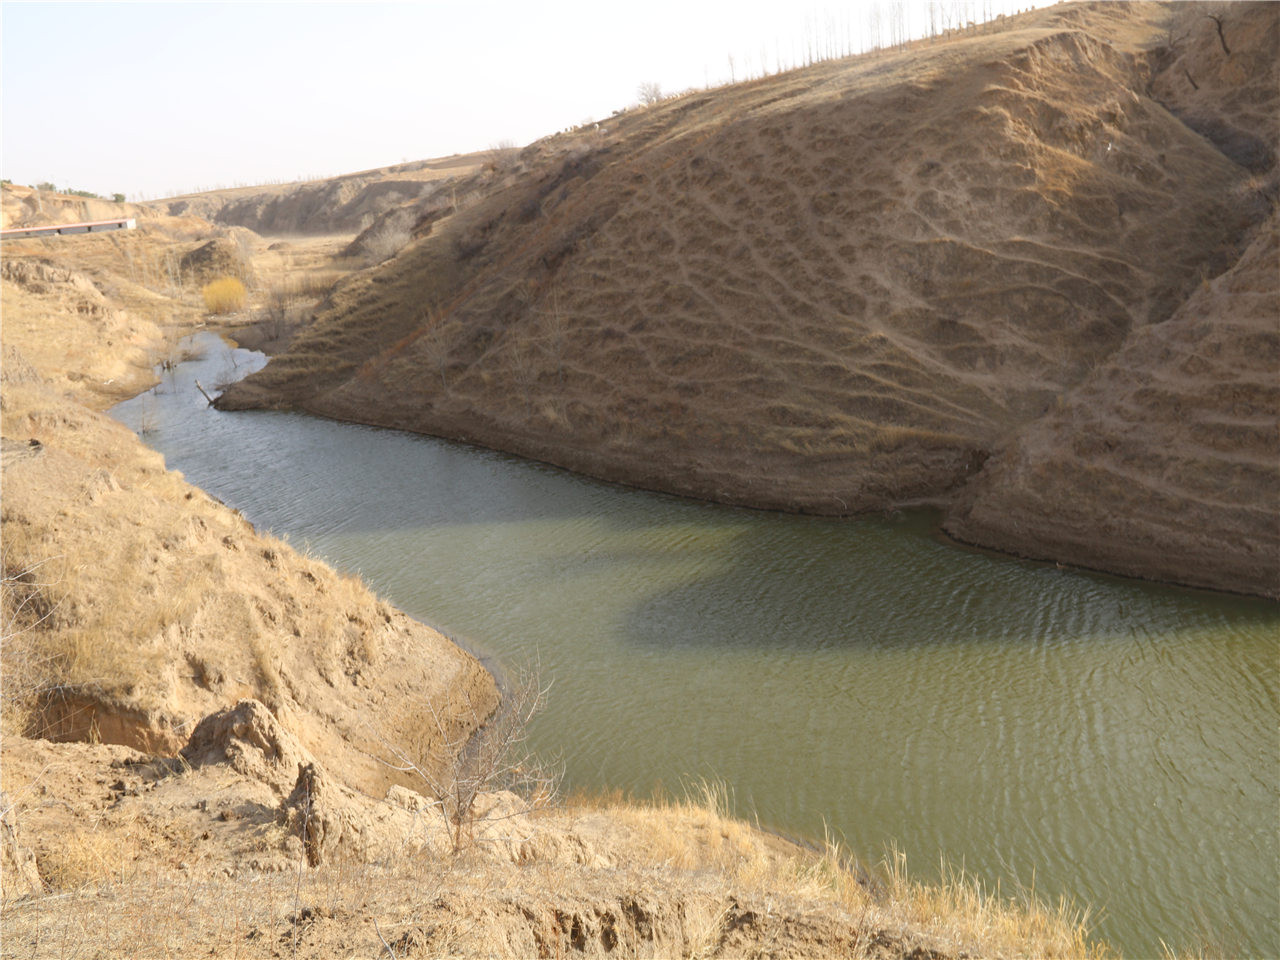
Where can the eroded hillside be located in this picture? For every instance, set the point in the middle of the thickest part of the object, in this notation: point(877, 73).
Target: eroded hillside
point(834, 290)
point(1109, 478)
point(133, 603)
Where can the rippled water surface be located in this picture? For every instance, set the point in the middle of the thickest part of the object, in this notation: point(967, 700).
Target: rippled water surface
point(1105, 739)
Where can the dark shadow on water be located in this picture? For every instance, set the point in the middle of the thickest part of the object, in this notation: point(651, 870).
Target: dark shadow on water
point(889, 586)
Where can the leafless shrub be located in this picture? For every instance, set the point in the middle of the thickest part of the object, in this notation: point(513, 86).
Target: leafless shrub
point(389, 239)
point(649, 93)
point(437, 342)
point(244, 254)
point(28, 600)
point(497, 757)
point(502, 157)
point(279, 312)
point(173, 273)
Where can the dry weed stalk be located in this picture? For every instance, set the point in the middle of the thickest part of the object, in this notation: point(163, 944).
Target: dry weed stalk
point(26, 602)
point(436, 342)
point(496, 757)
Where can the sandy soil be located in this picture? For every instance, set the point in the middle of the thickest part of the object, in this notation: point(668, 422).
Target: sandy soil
point(842, 289)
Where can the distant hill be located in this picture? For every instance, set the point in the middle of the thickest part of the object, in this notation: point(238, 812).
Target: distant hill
point(344, 204)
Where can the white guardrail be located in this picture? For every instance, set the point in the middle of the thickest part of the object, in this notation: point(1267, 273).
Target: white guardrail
point(60, 229)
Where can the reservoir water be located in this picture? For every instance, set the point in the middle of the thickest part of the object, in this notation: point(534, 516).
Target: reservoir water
point(1108, 740)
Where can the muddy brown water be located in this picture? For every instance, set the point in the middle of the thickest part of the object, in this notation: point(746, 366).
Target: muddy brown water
point(1085, 736)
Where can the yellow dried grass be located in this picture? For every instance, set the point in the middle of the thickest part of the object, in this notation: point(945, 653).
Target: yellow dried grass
point(224, 295)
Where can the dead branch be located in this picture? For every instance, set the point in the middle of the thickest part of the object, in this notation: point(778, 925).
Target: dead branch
point(496, 757)
point(203, 393)
point(1217, 19)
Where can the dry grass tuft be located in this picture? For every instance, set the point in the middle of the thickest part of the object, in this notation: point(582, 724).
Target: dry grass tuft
point(224, 295)
point(962, 910)
point(79, 857)
point(697, 834)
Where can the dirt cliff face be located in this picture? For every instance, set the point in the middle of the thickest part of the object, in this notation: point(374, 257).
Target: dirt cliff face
point(1165, 463)
point(835, 290)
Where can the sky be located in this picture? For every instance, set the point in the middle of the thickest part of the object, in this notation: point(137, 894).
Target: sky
point(157, 99)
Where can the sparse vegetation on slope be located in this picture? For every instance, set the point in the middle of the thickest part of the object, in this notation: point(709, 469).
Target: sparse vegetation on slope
point(835, 290)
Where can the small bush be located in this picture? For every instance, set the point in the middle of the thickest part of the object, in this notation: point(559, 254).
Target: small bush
point(224, 295)
point(649, 93)
point(385, 241)
point(118, 197)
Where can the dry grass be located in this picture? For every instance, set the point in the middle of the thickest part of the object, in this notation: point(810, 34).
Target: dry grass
point(81, 857)
point(961, 909)
point(224, 295)
point(698, 834)
point(766, 896)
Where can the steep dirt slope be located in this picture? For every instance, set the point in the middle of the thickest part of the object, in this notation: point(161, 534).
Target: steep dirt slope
point(1165, 463)
point(834, 290)
point(148, 604)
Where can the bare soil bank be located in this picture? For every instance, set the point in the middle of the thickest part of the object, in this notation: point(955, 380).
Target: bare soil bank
point(140, 603)
point(856, 286)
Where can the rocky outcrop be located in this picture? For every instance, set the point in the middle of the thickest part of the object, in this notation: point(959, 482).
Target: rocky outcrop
point(248, 739)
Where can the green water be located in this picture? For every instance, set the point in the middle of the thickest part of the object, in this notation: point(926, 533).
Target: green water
point(1108, 740)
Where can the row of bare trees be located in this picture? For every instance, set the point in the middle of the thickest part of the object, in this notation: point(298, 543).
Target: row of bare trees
point(863, 28)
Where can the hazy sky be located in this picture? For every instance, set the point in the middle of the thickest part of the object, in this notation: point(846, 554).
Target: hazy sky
point(155, 99)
